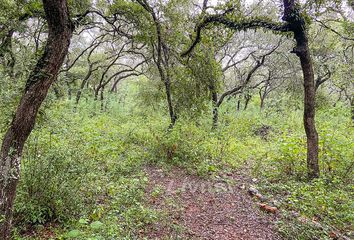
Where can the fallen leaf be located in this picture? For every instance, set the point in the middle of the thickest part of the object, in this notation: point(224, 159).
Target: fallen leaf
point(333, 235)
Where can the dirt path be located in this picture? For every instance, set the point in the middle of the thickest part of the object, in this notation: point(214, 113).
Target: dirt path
point(205, 209)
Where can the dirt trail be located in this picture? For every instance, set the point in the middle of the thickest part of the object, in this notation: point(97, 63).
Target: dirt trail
point(205, 209)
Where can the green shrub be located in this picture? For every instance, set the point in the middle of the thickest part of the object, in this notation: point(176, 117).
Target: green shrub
point(52, 181)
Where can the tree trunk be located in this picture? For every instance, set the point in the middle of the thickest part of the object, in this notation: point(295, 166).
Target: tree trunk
point(169, 101)
point(263, 97)
point(162, 61)
point(247, 101)
point(263, 93)
point(47, 68)
point(262, 103)
point(163, 67)
point(69, 91)
point(297, 24)
point(78, 96)
point(309, 115)
point(102, 99)
point(214, 98)
point(114, 88)
point(96, 92)
point(56, 92)
point(352, 107)
point(83, 83)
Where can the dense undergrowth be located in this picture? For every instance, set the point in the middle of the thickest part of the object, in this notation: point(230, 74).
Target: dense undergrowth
point(83, 176)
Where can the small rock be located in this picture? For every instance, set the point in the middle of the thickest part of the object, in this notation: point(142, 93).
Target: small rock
point(303, 220)
point(253, 191)
point(260, 197)
point(268, 208)
point(242, 187)
point(295, 214)
point(333, 235)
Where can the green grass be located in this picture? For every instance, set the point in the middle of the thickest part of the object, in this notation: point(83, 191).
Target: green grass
point(82, 170)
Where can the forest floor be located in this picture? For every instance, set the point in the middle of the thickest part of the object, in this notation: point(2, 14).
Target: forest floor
point(198, 208)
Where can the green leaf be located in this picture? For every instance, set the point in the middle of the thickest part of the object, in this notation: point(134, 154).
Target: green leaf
point(212, 168)
point(73, 233)
point(83, 220)
point(96, 225)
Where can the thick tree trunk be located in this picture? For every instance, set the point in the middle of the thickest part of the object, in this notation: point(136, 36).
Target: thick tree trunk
point(59, 35)
point(309, 115)
point(297, 24)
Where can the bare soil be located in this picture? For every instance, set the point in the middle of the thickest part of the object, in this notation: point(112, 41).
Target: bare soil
point(197, 208)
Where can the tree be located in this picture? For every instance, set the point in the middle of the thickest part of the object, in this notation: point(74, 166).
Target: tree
point(60, 29)
point(259, 62)
point(161, 58)
point(295, 23)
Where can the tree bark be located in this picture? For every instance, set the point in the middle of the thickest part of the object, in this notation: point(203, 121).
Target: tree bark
point(262, 102)
point(84, 83)
point(263, 93)
point(297, 25)
point(214, 99)
point(247, 101)
point(60, 30)
point(238, 105)
point(162, 61)
point(352, 107)
point(96, 93)
point(167, 84)
point(102, 99)
point(69, 91)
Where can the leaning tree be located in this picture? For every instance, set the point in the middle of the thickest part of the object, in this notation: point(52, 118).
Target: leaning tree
point(60, 29)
